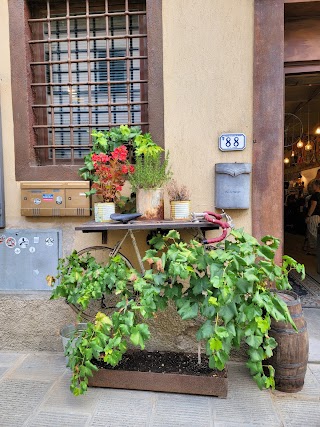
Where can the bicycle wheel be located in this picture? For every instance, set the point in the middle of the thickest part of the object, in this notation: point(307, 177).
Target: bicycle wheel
point(107, 303)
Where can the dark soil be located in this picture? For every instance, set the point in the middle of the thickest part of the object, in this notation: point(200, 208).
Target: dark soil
point(163, 362)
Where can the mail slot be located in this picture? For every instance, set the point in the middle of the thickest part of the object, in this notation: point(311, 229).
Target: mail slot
point(55, 198)
point(232, 185)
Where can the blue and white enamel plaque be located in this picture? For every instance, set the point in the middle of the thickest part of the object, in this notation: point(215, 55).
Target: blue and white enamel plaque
point(232, 141)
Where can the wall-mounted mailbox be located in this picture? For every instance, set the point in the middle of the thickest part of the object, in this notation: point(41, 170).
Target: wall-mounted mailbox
point(232, 185)
point(55, 198)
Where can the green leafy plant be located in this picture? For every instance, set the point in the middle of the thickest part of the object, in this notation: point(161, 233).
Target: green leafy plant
point(152, 164)
point(227, 288)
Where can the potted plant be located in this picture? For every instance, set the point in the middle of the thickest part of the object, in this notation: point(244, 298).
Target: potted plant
point(106, 171)
point(152, 171)
point(110, 171)
point(229, 287)
point(179, 197)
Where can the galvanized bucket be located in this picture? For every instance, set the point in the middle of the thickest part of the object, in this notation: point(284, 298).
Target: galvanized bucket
point(71, 330)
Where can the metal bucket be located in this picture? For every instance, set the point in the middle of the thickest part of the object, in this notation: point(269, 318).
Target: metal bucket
point(68, 331)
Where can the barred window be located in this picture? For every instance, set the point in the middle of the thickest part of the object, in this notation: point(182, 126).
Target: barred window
point(88, 70)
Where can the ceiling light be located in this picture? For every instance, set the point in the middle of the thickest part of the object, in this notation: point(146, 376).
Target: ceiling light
point(286, 161)
point(300, 143)
point(317, 131)
point(308, 146)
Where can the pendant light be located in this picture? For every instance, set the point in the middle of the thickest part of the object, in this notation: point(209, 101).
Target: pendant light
point(300, 143)
point(317, 131)
point(286, 161)
point(308, 146)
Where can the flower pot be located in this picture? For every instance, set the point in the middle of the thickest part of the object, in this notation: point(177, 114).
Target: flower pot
point(68, 331)
point(150, 203)
point(102, 211)
point(180, 209)
point(167, 379)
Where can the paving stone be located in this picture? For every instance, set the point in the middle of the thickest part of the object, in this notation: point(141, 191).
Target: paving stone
point(60, 398)
point(41, 365)
point(312, 316)
point(315, 369)
point(245, 403)
point(122, 409)
point(3, 370)
point(181, 410)
point(54, 419)
point(18, 400)
point(298, 413)
point(9, 358)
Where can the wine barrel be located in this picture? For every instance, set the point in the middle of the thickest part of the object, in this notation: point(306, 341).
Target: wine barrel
point(290, 357)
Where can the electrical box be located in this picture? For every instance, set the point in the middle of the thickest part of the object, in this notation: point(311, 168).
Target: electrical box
point(27, 257)
point(55, 198)
point(232, 185)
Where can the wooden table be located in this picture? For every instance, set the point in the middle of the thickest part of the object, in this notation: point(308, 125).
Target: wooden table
point(104, 227)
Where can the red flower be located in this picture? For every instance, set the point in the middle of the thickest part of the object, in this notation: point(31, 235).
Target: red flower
point(110, 171)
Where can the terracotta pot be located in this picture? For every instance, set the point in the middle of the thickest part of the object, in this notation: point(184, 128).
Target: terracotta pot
point(102, 211)
point(180, 209)
point(150, 203)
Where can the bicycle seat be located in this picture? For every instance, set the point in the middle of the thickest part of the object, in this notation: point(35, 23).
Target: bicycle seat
point(125, 218)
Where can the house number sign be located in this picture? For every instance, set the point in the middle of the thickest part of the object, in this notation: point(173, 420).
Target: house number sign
point(232, 141)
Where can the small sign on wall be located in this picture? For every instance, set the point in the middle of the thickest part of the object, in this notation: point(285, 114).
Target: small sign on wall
point(232, 141)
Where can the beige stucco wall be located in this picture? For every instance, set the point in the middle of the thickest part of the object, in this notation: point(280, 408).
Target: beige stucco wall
point(208, 66)
point(208, 61)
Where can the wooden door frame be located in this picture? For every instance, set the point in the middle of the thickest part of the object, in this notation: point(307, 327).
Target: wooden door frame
point(268, 116)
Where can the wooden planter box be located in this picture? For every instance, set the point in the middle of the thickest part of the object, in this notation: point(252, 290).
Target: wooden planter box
point(214, 384)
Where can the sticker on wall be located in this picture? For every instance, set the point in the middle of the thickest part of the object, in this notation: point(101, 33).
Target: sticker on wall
point(2, 238)
point(47, 197)
point(36, 201)
point(11, 242)
point(23, 242)
point(49, 241)
point(32, 249)
point(59, 200)
point(17, 251)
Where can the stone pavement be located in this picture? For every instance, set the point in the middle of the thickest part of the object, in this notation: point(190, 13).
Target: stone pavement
point(34, 392)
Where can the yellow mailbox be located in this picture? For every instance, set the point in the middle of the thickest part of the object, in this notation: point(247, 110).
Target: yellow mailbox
point(55, 198)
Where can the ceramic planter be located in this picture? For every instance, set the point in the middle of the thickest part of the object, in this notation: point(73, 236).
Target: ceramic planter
point(180, 209)
point(150, 203)
point(102, 211)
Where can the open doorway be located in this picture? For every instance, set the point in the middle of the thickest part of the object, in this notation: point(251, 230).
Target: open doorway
point(301, 163)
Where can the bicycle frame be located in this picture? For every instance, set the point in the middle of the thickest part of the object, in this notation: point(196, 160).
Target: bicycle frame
point(117, 246)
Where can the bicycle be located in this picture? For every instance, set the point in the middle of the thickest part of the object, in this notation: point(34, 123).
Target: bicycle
point(103, 254)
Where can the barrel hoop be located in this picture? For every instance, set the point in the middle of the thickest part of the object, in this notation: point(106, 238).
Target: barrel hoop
point(291, 365)
point(288, 331)
point(285, 377)
point(297, 315)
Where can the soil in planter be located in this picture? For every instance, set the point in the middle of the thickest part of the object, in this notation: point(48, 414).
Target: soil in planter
point(163, 362)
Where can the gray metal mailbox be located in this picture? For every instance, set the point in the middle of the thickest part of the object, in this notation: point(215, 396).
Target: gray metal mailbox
point(232, 185)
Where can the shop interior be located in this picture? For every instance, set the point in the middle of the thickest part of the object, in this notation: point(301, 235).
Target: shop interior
point(301, 163)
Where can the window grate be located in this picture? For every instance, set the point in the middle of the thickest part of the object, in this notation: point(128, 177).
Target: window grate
point(89, 70)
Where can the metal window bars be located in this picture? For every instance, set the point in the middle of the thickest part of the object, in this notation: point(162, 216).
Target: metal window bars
point(89, 70)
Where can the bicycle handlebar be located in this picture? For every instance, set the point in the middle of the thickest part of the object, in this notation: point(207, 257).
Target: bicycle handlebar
point(216, 219)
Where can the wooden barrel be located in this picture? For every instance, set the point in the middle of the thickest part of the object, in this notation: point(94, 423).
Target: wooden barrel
point(290, 357)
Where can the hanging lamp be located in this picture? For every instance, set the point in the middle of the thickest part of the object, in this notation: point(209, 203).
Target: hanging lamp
point(308, 145)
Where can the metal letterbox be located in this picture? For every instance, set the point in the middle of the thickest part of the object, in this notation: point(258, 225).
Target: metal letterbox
point(55, 198)
point(232, 185)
